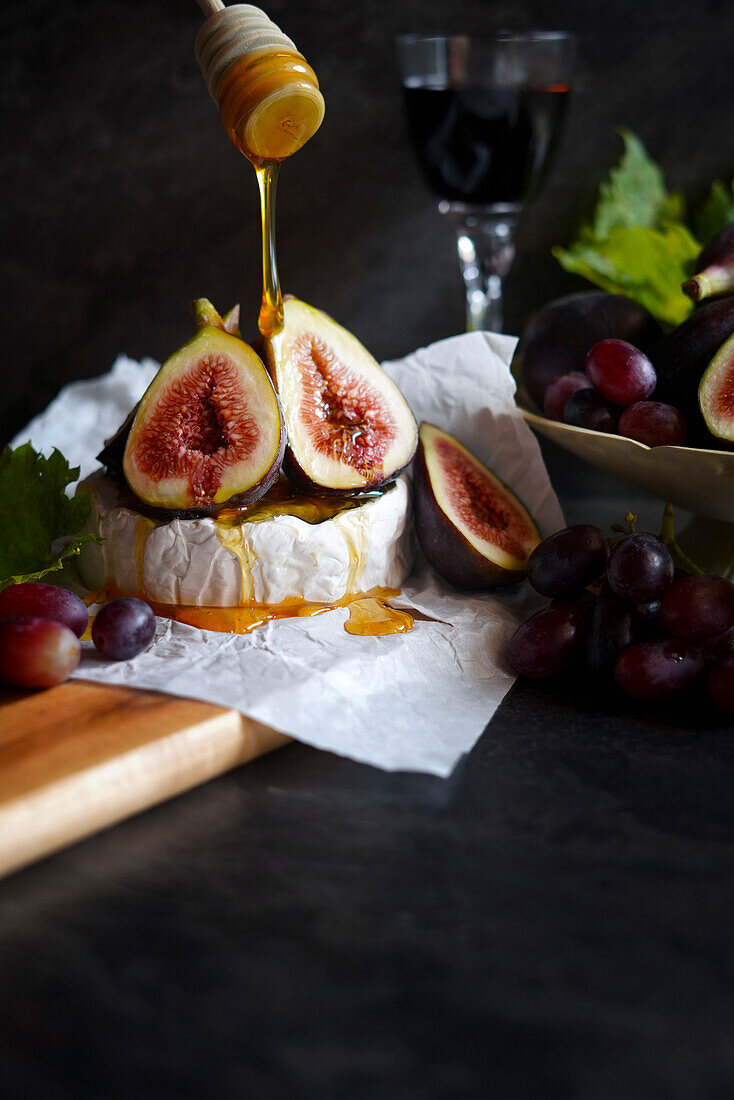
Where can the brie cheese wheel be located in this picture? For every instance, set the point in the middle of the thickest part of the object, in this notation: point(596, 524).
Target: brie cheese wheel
point(203, 563)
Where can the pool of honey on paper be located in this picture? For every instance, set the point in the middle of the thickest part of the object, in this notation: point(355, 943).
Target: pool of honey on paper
point(369, 612)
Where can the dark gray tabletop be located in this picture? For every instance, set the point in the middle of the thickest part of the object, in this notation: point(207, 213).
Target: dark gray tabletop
point(556, 919)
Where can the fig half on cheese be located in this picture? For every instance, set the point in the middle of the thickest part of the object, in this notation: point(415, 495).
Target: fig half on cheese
point(471, 528)
point(209, 429)
point(349, 427)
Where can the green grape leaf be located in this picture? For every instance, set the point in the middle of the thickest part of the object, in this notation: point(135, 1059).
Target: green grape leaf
point(41, 525)
point(635, 193)
point(716, 211)
point(640, 262)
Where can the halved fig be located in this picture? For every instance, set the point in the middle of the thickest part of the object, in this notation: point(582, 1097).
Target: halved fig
point(349, 427)
point(716, 393)
point(472, 529)
point(208, 429)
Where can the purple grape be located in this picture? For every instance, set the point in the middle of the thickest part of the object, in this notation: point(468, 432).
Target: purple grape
point(588, 409)
point(37, 652)
point(654, 424)
point(640, 568)
point(123, 628)
point(620, 372)
point(560, 389)
point(45, 601)
point(697, 608)
point(721, 683)
point(719, 644)
point(562, 565)
point(548, 642)
point(614, 626)
point(649, 613)
point(659, 670)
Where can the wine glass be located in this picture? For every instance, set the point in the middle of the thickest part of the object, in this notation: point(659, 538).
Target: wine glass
point(484, 117)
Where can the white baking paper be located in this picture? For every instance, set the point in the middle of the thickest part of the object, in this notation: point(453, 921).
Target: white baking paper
point(415, 701)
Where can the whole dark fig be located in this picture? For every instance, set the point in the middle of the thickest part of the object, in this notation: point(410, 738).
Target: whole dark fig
point(714, 272)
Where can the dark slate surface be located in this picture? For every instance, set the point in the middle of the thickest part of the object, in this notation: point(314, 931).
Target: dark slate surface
point(553, 921)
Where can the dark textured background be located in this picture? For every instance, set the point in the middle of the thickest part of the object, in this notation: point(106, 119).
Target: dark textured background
point(555, 920)
point(122, 199)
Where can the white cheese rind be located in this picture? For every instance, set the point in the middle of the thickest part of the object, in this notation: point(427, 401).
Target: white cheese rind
point(187, 562)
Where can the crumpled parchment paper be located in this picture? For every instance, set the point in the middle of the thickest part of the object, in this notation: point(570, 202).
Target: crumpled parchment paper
point(415, 701)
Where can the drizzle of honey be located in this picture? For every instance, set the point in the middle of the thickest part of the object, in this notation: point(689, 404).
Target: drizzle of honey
point(283, 500)
point(270, 319)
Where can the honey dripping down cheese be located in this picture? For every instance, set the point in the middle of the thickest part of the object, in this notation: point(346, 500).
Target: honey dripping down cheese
point(270, 105)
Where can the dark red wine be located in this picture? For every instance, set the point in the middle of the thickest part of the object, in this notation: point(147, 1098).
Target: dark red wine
point(484, 145)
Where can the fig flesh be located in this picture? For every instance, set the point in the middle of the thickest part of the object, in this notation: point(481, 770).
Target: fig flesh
point(714, 272)
point(349, 427)
point(716, 393)
point(471, 528)
point(208, 429)
point(559, 335)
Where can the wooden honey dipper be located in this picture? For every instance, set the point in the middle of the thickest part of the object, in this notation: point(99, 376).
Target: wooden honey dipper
point(267, 93)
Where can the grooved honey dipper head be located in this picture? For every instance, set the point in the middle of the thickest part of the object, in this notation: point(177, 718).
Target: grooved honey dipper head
point(267, 93)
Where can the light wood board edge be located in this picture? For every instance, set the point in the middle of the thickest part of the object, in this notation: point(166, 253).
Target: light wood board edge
point(65, 811)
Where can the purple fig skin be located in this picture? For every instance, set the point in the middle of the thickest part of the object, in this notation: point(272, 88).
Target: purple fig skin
point(682, 356)
point(295, 474)
point(559, 335)
point(714, 271)
point(451, 554)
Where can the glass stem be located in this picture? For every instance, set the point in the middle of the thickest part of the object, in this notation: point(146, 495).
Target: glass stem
point(486, 249)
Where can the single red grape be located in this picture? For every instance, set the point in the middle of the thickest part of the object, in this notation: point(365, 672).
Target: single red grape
point(614, 626)
point(719, 644)
point(560, 389)
point(697, 608)
point(37, 652)
point(640, 568)
point(659, 670)
point(123, 628)
point(45, 601)
point(562, 565)
point(654, 424)
point(588, 409)
point(620, 372)
point(548, 642)
point(721, 683)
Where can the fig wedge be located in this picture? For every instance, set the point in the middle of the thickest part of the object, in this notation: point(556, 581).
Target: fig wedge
point(471, 528)
point(716, 393)
point(349, 427)
point(208, 429)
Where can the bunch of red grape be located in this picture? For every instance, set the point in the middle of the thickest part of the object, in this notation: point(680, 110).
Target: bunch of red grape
point(623, 610)
point(612, 396)
point(40, 628)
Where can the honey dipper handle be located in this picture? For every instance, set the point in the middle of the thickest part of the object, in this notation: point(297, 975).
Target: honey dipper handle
point(209, 7)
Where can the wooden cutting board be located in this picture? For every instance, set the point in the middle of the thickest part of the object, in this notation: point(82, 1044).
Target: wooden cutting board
point(81, 756)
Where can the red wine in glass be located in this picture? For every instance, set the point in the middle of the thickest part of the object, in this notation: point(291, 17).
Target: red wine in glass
point(484, 145)
point(484, 117)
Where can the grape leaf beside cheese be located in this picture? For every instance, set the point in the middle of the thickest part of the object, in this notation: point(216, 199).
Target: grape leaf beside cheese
point(40, 525)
